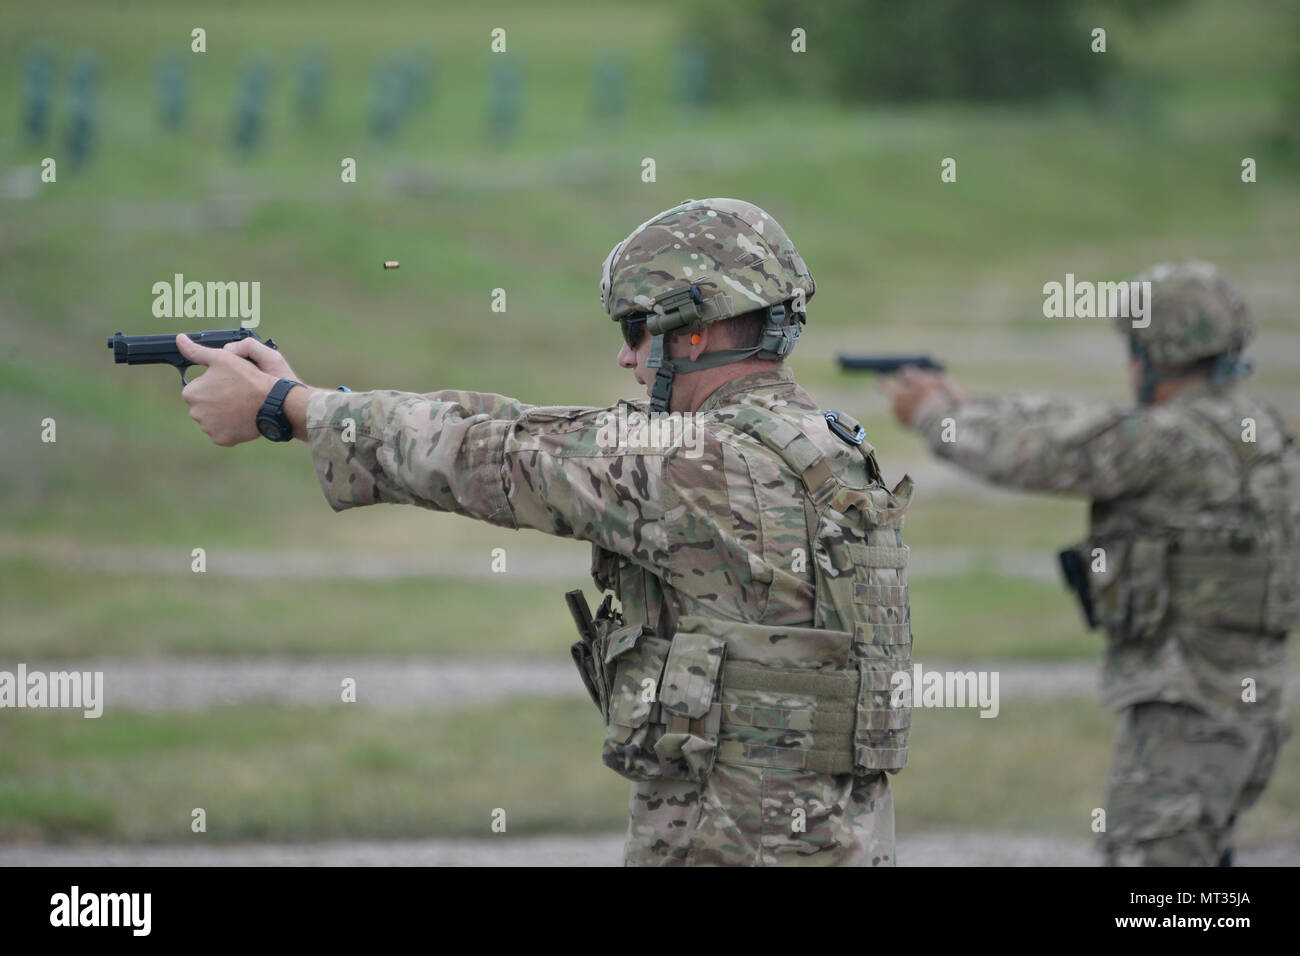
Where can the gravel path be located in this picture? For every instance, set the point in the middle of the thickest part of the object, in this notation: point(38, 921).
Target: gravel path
point(428, 683)
point(555, 565)
point(198, 683)
point(924, 849)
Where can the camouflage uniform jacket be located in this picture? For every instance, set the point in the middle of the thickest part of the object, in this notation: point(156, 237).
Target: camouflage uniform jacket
point(1200, 530)
point(718, 526)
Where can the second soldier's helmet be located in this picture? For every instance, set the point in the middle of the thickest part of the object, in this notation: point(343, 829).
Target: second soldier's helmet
point(1195, 313)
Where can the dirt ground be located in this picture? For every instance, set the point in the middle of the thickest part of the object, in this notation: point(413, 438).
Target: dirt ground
point(924, 849)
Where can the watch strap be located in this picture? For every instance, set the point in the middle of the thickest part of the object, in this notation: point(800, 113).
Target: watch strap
point(275, 397)
point(272, 409)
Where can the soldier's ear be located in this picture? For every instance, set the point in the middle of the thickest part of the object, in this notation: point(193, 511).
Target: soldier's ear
point(699, 343)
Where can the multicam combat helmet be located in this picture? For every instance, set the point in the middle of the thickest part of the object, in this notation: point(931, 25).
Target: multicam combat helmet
point(701, 262)
point(1195, 313)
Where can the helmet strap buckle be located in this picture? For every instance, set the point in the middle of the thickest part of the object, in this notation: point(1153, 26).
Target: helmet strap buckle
point(1227, 367)
point(779, 335)
point(662, 389)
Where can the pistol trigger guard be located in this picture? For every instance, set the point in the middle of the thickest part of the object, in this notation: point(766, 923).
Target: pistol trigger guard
point(183, 370)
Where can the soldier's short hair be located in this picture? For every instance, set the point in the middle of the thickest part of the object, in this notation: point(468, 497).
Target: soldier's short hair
point(1201, 367)
point(746, 329)
point(743, 331)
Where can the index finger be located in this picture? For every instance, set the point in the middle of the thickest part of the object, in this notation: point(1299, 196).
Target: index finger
point(914, 375)
point(198, 354)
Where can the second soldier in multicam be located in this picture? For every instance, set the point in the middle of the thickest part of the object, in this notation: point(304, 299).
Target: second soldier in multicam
point(1192, 565)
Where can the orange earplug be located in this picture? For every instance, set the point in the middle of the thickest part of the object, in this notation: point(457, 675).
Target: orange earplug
point(695, 338)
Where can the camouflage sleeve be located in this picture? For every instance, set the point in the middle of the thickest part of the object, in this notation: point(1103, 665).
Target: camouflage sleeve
point(468, 453)
point(480, 403)
point(1044, 445)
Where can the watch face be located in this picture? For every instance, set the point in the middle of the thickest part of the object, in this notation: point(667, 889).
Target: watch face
point(269, 428)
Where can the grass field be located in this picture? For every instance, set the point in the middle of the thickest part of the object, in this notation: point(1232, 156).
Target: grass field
point(52, 613)
point(293, 774)
point(903, 262)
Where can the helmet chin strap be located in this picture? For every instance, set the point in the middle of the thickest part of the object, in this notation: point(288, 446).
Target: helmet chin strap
point(779, 339)
point(1147, 383)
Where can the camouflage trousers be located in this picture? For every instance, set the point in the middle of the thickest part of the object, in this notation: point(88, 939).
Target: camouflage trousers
point(1178, 781)
point(755, 816)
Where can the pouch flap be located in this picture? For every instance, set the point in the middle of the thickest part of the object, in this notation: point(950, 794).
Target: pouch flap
point(623, 640)
point(691, 674)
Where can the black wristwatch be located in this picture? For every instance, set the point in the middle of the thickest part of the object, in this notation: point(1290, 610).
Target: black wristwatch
point(272, 422)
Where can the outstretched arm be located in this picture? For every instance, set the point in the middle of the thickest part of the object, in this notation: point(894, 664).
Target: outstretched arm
point(471, 453)
point(547, 468)
point(1039, 444)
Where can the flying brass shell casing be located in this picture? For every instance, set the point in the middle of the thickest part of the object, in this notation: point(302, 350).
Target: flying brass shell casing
point(392, 264)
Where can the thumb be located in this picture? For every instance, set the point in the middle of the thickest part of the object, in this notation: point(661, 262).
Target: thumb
point(953, 390)
point(198, 354)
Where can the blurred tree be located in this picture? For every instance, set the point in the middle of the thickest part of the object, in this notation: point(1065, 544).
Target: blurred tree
point(386, 102)
point(417, 72)
point(82, 119)
point(1288, 134)
point(38, 82)
point(608, 87)
point(693, 72)
point(309, 95)
point(915, 50)
point(504, 95)
point(402, 86)
point(170, 83)
point(250, 106)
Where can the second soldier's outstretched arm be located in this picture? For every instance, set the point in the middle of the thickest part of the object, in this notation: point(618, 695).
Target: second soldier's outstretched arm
point(1046, 445)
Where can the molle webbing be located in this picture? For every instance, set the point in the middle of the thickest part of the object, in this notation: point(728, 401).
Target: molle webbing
point(850, 723)
point(1250, 558)
point(680, 723)
point(836, 758)
point(835, 685)
point(826, 716)
point(881, 556)
point(824, 729)
point(828, 723)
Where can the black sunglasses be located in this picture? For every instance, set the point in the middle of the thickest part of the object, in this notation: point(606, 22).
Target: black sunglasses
point(633, 327)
